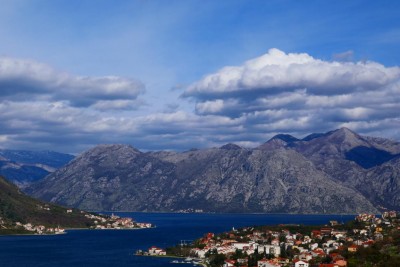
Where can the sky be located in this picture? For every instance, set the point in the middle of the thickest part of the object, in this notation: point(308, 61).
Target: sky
point(176, 75)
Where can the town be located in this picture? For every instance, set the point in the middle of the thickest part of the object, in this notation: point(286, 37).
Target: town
point(368, 240)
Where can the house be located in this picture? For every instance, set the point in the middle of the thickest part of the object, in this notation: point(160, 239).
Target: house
point(267, 263)
point(200, 253)
point(353, 248)
point(318, 252)
point(242, 261)
point(275, 242)
point(269, 249)
point(368, 243)
point(242, 246)
point(305, 256)
point(300, 263)
point(313, 246)
point(333, 223)
point(326, 231)
point(229, 263)
point(155, 251)
point(316, 234)
point(340, 262)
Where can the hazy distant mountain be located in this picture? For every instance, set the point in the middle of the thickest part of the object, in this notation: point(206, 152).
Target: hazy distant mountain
point(23, 167)
point(335, 172)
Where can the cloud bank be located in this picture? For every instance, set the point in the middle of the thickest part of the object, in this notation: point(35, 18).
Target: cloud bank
point(42, 108)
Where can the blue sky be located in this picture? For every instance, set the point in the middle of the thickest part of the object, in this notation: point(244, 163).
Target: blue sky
point(74, 74)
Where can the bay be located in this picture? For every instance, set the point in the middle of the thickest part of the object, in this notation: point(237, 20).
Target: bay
point(117, 247)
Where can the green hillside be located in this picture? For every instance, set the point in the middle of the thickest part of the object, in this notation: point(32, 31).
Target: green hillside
point(15, 206)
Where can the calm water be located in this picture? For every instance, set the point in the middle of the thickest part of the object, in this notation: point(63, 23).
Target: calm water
point(116, 247)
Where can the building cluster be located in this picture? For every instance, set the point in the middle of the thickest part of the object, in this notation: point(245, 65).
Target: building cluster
point(40, 229)
point(321, 247)
point(190, 210)
point(115, 222)
point(152, 251)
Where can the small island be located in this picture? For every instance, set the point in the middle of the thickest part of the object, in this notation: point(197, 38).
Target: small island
point(367, 240)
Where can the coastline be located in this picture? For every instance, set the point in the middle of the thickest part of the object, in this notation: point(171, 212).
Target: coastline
point(73, 229)
point(195, 261)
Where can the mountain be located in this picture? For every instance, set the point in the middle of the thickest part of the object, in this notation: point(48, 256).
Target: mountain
point(109, 177)
point(225, 179)
point(366, 164)
point(279, 141)
point(347, 145)
point(335, 172)
point(248, 180)
point(23, 167)
point(18, 207)
point(382, 184)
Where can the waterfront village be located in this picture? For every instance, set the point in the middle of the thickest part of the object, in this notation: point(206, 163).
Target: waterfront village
point(99, 222)
point(365, 241)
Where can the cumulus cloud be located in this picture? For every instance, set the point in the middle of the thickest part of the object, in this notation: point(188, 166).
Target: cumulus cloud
point(277, 71)
point(26, 79)
point(296, 93)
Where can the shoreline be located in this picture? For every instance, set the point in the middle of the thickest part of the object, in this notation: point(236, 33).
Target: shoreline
point(197, 260)
point(233, 213)
point(73, 229)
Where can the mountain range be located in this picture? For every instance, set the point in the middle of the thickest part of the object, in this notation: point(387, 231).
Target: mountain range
point(23, 167)
point(334, 172)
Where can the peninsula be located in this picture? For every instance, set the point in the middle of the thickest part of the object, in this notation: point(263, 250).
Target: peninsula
point(21, 214)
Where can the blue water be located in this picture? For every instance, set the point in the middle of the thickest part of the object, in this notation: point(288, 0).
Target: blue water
point(117, 247)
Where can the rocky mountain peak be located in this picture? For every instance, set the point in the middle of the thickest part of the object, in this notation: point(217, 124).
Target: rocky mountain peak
point(334, 143)
point(278, 141)
point(273, 144)
point(111, 149)
point(230, 146)
point(345, 135)
point(285, 137)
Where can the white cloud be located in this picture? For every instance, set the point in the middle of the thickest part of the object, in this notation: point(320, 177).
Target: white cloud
point(26, 79)
point(277, 71)
point(41, 108)
point(299, 94)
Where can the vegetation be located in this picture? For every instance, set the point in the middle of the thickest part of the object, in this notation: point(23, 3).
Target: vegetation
point(18, 207)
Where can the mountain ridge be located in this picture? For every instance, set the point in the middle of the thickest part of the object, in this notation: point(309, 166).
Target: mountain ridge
point(291, 175)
